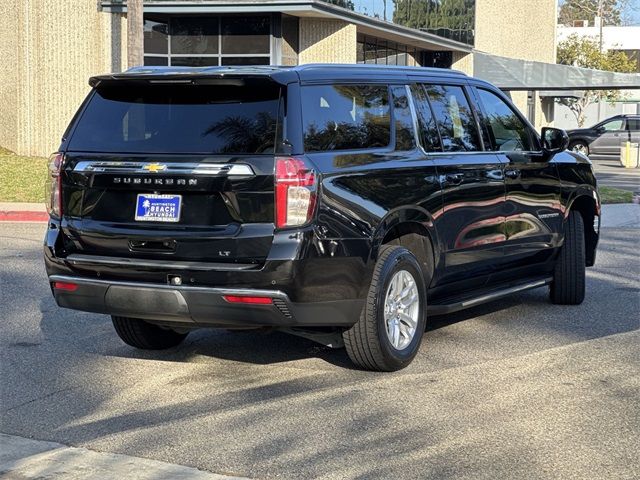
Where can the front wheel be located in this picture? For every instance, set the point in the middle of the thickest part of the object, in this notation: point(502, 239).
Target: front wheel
point(579, 146)
point(388, 334)
point(568, 285)
point(145, 335)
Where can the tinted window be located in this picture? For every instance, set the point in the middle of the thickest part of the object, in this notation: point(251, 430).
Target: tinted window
point(633, 124)
point(194, 61)
point(613, 125)
point(454, 118)
point(246, 34)
point(403, 119)
point(345, 117)
point(427, 125)
point(193, 35)
point(508, 132)
point(155, 35)
point(179, 119)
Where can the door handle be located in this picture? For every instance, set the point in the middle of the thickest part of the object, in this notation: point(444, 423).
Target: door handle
point(454, 178)
point(513, 173)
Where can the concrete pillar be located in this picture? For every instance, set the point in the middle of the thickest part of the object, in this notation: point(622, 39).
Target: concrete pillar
point(463, 62)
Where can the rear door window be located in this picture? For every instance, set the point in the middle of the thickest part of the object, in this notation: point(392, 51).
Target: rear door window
point(509, 133)
point(209, 119)
point(633, 124)
point(454, 118)
point(345, 117)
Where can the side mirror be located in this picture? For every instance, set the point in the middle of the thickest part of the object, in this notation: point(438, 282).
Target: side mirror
point(554, 140)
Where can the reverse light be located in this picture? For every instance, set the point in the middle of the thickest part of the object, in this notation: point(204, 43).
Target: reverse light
point(54, 184)
point(66, 286)
point(295, 184)
point(249, 300)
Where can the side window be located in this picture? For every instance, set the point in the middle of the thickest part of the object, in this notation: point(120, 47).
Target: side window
point(426, 123)
point(403, 120)
point(345, 117)
point(508, 132)
point(613, 125)
point(633, 124)
point(454, 118)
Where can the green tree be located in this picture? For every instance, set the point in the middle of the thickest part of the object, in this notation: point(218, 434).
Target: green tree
point(452, 15)
point(585, 52)
point(342, 3)
point(610, 10)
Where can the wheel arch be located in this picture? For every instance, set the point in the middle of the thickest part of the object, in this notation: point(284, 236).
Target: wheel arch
point(412, 228)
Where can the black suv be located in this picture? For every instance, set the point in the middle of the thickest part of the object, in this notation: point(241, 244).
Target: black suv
point(331, 201)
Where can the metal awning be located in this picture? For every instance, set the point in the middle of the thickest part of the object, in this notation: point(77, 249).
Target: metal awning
point(299, 8)
point(512, 74)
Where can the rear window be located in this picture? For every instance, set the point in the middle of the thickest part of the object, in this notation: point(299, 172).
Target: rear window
point(209, 119)
point(345, 117)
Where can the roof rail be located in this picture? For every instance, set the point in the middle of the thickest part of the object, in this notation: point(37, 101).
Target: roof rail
point(365, 66)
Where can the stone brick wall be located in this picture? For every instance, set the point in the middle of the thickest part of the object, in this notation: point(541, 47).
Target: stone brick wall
point(50, 48)
point(327, 41)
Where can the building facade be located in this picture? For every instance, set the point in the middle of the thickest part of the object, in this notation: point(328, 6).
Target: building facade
point(54, 46)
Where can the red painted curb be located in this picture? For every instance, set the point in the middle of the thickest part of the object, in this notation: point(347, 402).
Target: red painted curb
point(24, 216)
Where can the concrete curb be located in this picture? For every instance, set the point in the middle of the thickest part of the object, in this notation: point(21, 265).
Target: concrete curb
point(23, 212)
point(22, 458)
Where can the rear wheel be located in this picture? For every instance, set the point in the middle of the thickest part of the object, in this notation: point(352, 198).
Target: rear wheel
point(579, 146)
point(388, 334)
point(144, 335)
point(568, 286)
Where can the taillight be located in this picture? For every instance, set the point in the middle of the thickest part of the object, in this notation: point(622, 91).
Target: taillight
point(248, 300)
point(295, 183)
point(66, 286)
point(55, 184)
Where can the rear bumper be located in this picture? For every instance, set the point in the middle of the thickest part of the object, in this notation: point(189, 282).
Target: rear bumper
point(195, 306)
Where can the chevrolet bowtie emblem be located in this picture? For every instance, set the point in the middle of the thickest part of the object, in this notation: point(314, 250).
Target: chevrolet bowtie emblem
point(154, 167)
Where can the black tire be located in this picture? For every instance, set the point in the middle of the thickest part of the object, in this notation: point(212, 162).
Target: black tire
point(568, 286)
point(579, 143)
point(367, 343)
point(144, 335)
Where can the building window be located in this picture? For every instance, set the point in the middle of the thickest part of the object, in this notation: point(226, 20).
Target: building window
point(207, 41)
point(382, 52)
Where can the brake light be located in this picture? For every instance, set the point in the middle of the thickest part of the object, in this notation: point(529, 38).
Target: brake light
point(250, 300)
point(55, 184)
point(295, 184)
point(66, 286)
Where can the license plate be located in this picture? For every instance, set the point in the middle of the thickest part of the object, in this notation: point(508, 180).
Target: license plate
point(158, 208)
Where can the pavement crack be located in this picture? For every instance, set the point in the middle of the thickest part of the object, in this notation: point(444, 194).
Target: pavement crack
point(41, 397)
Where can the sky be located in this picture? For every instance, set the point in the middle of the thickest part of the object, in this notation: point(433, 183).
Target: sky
point(375, 6)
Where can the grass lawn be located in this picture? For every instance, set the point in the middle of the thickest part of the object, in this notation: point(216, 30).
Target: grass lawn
point(614, 195)
point(21, 178)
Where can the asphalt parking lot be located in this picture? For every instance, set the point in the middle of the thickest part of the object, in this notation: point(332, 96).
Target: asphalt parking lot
point(515, 389)
point(610, 173)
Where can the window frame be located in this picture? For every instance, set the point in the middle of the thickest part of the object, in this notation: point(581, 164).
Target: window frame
point(534, 139)
point(389, 148)
point(219, 55)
